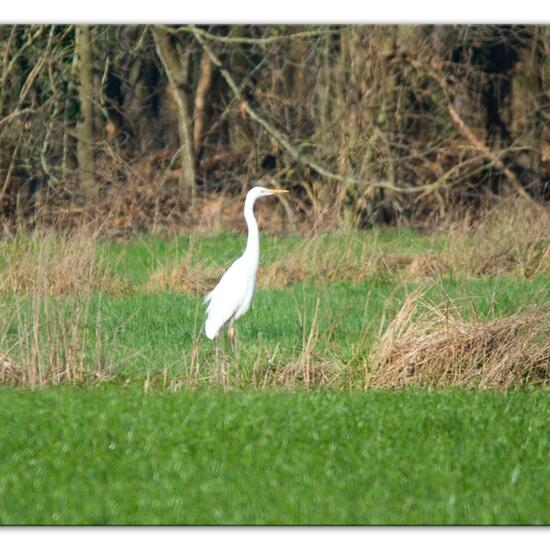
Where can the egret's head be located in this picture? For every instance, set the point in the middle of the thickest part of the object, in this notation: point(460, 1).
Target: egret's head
point(257, 192)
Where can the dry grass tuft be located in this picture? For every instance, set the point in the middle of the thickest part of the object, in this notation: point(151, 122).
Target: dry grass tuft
point(323, 260)
point(49, 331)
point(309, 370)
point(315, 259)
point(48, 340)
point(514, 239)
point(48, 263)
point(186, 278)
point(187, 275)
point(423, 266)
point(434, 346)
point(11, 373)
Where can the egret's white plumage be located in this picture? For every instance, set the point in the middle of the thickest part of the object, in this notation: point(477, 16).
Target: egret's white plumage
point(232, 296)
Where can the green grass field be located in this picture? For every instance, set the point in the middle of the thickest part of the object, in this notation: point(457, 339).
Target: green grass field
point(112, 456)
point(137, 446)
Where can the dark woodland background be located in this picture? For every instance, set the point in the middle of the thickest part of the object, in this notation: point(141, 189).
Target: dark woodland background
point(146, 127)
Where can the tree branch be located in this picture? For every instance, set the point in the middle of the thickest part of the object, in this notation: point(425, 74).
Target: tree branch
point(244, 40)
point(466, 131)
point(281, 138)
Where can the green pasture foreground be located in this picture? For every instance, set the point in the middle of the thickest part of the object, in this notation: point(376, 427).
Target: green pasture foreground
point(119, 456)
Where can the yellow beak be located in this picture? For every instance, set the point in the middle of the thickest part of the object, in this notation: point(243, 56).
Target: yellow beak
point(278, 191)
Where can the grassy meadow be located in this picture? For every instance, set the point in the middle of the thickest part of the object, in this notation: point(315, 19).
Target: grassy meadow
point(119, 456)
point(384, 376)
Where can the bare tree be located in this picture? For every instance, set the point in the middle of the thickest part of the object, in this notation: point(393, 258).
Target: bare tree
point(85, 129)
point(175, 61)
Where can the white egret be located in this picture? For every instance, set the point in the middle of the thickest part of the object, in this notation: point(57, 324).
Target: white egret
point(232, 296)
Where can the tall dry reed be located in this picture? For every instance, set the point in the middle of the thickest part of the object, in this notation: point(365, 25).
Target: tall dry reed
point(51, 330)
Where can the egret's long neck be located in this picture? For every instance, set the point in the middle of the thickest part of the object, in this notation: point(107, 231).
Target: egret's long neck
point(253, 243)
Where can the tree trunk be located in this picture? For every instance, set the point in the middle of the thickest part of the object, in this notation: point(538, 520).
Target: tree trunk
point(140, 91)
point(535, 76)
point(176, 66)
point(85, 129)
point(206, 71)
